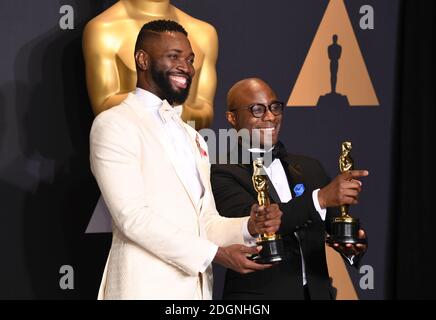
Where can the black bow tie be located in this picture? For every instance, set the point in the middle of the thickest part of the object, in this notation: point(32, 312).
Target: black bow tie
point(279, 151)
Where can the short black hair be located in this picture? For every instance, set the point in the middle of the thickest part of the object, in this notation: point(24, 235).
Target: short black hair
point(158, 26)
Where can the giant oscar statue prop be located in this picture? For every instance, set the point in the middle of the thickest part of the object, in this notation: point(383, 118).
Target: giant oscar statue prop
point(272, 244)
point(344, 229)
point(108, 47)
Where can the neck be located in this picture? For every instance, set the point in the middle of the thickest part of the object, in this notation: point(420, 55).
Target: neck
point(146, 86)
point(148, 7)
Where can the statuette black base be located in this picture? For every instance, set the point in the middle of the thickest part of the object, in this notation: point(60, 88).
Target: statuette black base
point(345, 230)
point(273, 251)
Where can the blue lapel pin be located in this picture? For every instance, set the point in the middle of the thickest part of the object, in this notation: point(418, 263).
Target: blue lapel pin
point(299, 189)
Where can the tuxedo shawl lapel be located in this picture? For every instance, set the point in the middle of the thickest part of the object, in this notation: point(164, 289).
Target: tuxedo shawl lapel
point(202, 162)
point(150, 122)
point(294, 174)
point(272, 192)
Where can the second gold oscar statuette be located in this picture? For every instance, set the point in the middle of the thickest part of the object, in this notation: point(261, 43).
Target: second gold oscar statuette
point(272, 244)
point(344, 229)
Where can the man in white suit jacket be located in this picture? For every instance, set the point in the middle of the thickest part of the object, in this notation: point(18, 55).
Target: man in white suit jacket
point(154, 174)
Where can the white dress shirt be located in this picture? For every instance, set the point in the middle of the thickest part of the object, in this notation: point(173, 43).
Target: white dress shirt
point(276, 173)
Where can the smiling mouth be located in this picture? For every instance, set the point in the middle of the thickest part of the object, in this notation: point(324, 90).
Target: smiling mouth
point(179, 81)
point(269, 129)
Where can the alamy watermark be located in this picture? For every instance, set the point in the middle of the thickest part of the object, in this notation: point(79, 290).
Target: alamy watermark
point(66, 22)
point(367, 20)
point(66, 281)
point(366, 281)
point(223, 147)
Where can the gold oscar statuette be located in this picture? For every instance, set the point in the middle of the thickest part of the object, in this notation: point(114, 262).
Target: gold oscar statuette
point(345, 229)
point(272, 244)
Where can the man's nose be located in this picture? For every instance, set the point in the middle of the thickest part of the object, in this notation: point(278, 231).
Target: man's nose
point(186, 67)
point(268, 115)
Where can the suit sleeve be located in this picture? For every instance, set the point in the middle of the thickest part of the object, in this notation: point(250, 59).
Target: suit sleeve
point(115, 155)
point(221, 230)
point(298, 213)
point(324, 179)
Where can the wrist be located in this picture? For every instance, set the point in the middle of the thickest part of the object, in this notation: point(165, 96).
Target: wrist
point(321, 199)
point(220, 256)
point(251, 227)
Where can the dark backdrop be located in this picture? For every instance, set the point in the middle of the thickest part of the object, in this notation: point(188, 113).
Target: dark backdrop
point(412, 261)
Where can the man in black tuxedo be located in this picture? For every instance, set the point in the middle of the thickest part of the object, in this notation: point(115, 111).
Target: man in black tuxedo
point(298, 186)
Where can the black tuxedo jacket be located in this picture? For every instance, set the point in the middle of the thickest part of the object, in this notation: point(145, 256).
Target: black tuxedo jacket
point(234, 195)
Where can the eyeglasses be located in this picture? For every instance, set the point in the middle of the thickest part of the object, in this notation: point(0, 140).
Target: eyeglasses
point(259, 109)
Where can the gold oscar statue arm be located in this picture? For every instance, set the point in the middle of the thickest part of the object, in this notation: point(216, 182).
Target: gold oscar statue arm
point(102, 76)
point(199, 106)
point(260, 185)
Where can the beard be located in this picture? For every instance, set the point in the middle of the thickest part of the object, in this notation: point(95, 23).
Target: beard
point(174, 97)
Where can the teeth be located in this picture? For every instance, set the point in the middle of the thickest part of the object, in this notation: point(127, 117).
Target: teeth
point(267, 129)
point(181, 80)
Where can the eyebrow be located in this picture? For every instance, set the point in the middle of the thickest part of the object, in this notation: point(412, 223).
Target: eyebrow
point(180, 51)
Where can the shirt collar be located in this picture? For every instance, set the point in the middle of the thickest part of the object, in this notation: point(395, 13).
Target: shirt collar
point(153, 102)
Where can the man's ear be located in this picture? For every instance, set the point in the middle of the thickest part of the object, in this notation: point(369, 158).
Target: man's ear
point(231, 118)
point(142, 59)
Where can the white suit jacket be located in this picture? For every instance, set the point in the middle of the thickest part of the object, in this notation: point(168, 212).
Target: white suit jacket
point(161, 239)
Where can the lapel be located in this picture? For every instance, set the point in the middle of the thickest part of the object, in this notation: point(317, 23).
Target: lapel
point(272, 192)
point(295, 176)
point(200, 166)
point(293, 173)
point(201, 161)
point(156, 130)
